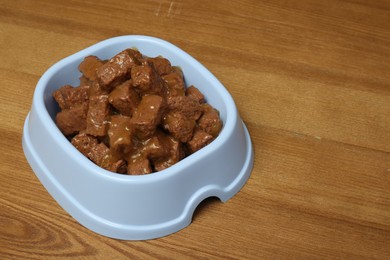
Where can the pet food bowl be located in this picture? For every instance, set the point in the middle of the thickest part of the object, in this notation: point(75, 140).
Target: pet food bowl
point(145, 206)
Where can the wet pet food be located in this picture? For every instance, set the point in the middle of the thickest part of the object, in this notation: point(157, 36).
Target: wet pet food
point(133, 114)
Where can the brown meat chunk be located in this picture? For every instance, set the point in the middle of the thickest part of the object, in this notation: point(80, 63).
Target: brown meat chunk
point(135, 54)
point(120, 134)
point(199, 140)
point(68, 96)
point(210, 121)
point(160, 64)
point(97, 117)
point(147, 116)
point(154, 147)
point(189, 107)
point(95, 89)
point(112, 163)
point(72, 120)
point(175, 83)
point(179, 126)
point(194, 93)
point(85, 144)
point(97, 152)
point(138, 166)
point(124, 98)
point(89, 66)
point(174, 152)
point(142, 76)
point(117, 69)
point(84, 81)
point(146, 80)
point(161, 150)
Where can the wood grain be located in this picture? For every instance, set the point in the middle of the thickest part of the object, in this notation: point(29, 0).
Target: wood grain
point(311, 81)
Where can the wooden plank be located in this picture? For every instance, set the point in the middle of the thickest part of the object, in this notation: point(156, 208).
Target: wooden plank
point(311, 81)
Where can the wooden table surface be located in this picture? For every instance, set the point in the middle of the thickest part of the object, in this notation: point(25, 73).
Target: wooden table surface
point(311, 80)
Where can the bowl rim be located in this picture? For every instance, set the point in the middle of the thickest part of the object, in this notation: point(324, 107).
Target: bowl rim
point(62, 141)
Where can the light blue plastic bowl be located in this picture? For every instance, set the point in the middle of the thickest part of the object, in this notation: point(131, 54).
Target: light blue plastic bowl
point(135, 207)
